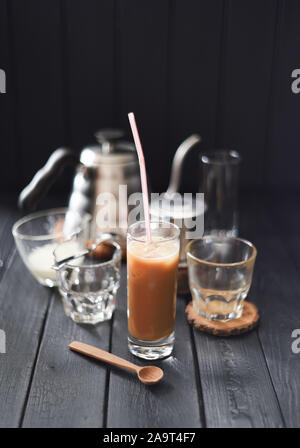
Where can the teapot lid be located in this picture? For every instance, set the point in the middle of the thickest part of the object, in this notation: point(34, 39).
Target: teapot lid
point(110, 149)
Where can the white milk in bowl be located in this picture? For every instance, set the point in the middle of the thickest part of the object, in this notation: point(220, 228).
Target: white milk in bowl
point(41, 260)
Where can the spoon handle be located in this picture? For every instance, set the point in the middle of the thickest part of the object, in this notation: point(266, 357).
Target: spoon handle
point(97, 353)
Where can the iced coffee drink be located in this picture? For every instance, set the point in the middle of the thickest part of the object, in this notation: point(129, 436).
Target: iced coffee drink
point(152, 281)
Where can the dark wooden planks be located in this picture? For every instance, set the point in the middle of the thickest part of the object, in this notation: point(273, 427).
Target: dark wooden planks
point(193, 76)
point(282, 161)
point(89, 52)
point(8, 215)
point(68, 390)
point(9, 168)
point(174, 403)
point(248, 40)
point(23, 307)
point(283, 208)
point(276, 290)
point(36, 52)
point(236, 385)
point(141, 71)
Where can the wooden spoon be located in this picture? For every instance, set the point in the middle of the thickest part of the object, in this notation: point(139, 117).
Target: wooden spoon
point(147, 375)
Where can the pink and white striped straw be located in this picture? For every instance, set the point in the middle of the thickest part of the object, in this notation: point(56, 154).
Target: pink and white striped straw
point(140, 153)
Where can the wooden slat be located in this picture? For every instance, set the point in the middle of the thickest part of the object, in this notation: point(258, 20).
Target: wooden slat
point(68, 389)
point(23, 306)
point(36, 30)
point(9, 169)
point(248, 42)
point(282, 161)
point(141, 71)
point(8, 215)
point(90, 67)
point(173, 403)
point(194, 58)
point(236, 384)
point(277, 292)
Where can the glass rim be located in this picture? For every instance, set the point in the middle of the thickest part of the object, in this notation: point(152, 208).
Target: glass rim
point(114, 259)
point(40, 214)
point(52, 211)
point(233, 157)
point(211, 263)
point(170, 224)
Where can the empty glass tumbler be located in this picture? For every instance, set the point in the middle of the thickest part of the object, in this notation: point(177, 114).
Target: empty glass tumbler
point(220, 274)
point(88, 285)
point(220, 171)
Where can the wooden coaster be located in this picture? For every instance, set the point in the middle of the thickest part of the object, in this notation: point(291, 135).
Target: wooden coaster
point(246, 322)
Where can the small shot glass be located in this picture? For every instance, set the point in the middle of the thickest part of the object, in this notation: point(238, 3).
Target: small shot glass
point(88, 285)
point(220, 274)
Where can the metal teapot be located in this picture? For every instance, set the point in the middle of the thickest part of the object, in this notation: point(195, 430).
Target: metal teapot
point(101, 168)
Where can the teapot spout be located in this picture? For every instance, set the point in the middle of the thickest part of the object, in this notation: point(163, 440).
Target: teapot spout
point(177, 163)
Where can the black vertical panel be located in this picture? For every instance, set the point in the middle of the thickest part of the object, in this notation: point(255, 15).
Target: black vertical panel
point(89, 50)
point(195, 39)
point(142, 37)
point(37, 55)
point(245, 85)
point(283, 150)
point(8, 166)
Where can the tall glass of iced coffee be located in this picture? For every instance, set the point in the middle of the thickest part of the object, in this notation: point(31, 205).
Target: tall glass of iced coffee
point(152, 283)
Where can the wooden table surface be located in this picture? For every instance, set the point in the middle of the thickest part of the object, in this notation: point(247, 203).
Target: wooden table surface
point(245, 381)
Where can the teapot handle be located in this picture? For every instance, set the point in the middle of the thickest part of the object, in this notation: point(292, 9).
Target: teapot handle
point(44, 178)
point(178, 160)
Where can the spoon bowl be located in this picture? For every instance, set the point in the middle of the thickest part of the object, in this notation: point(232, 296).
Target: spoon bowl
point(150, 374)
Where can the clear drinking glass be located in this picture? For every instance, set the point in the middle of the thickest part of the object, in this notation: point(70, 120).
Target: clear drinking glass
point(36, 236)
point(220, 274)
point(152, 284)
point(88, 286)
point(220, 171)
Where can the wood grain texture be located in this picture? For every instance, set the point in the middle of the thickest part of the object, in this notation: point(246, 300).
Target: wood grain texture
point(68, 389)
point(276, 290)
point(23, 307)
point(220, 68)
point(141, 71)
point(234, 327)
point(236, 386)
point(248, 39)
point(8, 170)
point(282, 153)
point(8, 215)
point(193, 74)
point(174, 402)
point(41, 381)
point(36, 48)
point(89, 52)
point(234, 374)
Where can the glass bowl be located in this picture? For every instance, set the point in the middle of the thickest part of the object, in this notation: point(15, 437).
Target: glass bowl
point(37, 235)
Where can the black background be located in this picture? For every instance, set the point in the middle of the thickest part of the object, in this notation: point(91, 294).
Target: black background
point(217, 67)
